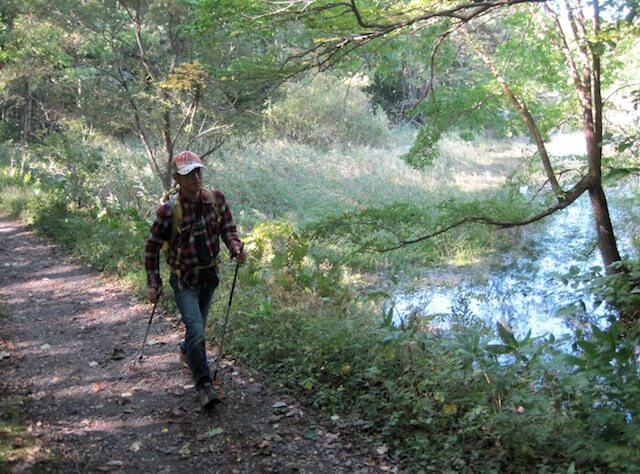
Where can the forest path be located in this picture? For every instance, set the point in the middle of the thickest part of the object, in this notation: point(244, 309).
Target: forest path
point(69, 343)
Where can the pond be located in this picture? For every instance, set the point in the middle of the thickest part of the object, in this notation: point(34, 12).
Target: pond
point(526, 293)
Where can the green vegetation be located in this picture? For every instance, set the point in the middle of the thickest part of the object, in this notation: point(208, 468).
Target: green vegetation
point(324, 110)
point(474, 398)
point(324, 172)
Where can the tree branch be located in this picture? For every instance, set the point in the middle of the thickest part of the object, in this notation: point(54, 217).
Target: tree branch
point(524, 113)
point(563, 45)
point(570, 197)
point(432, 59)
point(463, 13)
point(142, 134)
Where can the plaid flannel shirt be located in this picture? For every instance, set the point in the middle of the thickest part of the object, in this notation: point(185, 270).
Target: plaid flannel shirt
point(214, 228)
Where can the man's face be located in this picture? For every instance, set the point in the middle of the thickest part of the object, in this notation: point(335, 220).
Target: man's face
point(192, 182)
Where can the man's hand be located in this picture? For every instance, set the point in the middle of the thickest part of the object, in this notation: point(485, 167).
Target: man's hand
point(153, 294)
point(241, 257)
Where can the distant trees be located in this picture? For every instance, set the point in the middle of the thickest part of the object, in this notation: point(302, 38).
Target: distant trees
point(119, 67)
point(32, 55)
point(326, 111)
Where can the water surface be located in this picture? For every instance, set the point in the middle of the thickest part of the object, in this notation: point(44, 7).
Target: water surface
point(526, 293)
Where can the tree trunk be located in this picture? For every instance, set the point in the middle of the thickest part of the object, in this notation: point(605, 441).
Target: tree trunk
point(604, 229)
point(168, 147)
point(167, 175)
point(592, 118)
point(525, 116)
point(28, 113)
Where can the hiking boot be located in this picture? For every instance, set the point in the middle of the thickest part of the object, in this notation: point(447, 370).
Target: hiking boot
point(208, 396)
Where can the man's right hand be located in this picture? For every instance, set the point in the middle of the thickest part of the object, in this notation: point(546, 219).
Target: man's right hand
point(154, 294)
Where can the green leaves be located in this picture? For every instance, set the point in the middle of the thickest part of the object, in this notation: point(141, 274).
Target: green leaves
point(616, 174)
point(524, 350)
point(498, 349)
point(507, 336)
point(328, 111)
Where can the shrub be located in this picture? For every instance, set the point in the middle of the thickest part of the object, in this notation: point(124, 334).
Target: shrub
point(425, 150)
point(326, 110)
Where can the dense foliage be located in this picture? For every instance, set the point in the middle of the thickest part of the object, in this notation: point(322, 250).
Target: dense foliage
point(323, 110)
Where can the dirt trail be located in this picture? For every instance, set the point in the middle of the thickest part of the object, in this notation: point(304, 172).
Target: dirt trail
point(69, 341)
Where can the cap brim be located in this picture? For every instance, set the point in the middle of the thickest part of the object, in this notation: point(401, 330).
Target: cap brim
point(189, 168)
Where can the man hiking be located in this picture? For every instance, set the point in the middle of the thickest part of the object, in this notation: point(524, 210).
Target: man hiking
point(192, 222)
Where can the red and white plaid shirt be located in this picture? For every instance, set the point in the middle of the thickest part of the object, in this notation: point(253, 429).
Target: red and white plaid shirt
point(214, 227)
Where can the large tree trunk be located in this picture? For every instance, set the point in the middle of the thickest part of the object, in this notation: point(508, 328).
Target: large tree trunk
point(604, 229)
point(583, 64)
point(593, 128)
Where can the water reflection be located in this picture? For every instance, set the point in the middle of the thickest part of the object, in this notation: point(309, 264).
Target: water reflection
point(526, 293)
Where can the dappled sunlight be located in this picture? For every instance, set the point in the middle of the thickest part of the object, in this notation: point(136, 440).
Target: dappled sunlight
point(477, 183)
point(97, 380)
point(478, 165)
point(390, 298)
point(110, 426)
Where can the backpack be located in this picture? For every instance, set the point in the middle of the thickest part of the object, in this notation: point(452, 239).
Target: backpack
point(172, 198)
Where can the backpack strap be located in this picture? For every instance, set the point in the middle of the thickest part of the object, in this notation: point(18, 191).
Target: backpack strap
point(176, 216)
point(210, 194)
point(173, 200)
point(175, 234)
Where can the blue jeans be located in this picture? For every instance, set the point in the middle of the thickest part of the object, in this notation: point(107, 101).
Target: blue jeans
point(194, 304)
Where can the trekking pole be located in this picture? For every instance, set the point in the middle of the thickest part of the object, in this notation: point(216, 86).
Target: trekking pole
point(226, 318)
point(144, 341)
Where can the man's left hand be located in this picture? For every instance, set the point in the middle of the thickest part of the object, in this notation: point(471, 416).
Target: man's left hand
point(241, 258)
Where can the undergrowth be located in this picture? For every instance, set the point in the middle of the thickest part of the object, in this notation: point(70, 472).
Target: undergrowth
point(472, 399)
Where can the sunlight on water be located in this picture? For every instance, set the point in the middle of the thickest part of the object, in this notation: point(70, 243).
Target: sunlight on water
point(529, 293)
point(566, 144)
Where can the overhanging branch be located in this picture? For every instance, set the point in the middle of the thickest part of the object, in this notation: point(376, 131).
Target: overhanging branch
point(569, 198)
point(461, 14)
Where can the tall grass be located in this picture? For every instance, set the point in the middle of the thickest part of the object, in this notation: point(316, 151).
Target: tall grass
point(286, 179)
point(276, 179)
